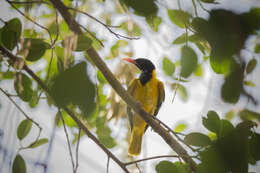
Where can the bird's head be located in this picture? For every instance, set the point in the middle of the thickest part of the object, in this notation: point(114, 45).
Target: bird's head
point(145, 65)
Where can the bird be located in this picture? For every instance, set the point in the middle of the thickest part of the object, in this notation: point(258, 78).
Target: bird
point(149, 92)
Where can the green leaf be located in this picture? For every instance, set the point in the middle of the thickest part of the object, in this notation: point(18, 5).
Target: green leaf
point(195, 38)
point(209, 1)
point(198, 71)
point(24, 128)
point(200, 47)
point(197, 139)
point(182, 92)
point(168, 66)
point(38, 143)
point(212, 161)
point(200, 25)
point(68, 120)
point(115, 48)
point(179, 17)
point(36, 48)
point(83, 43)
point(220, 65)
point(247, 114)
point(60, 65)
point(101, 77)
point(154, 22)
point(254, 148)
point(225, 128)
point(180, 127)
point(134, 30)
point(182, 167)
point(144, 8)
point(57, 120)
point(257, 48)
point(233, 86)
point(212, 122)
point(31, 33)
point(166, 167)
point(189, 61)
point(230, 115)
point(251, 65)
point(212, 136)
point(11, 33)
point(8, 75)
point(19, 164)
point(104, 133)
point(23, 86)
point(33, 102)
point(249, 83)
point(181, 39)
point(74, 86)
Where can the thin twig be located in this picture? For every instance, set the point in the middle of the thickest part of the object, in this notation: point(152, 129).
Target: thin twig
point(106, 26)
point(77, 151)
point(202, 7)
point(195, 8)
point(52, 49)
point(92, 35)
point(57, 29)
point(2, 20)
point(175, 91)
point(28, 2)
point(136, 165)
point(68, 140)
point(108, 159)
point(20, 109)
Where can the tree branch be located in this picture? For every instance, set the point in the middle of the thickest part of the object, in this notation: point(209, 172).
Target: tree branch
point(69, 112)
point(75, 27)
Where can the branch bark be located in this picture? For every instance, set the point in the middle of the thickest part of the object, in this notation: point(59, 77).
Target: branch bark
point(75, 27)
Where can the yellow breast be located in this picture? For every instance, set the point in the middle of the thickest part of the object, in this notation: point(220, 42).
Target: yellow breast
point(147, 95)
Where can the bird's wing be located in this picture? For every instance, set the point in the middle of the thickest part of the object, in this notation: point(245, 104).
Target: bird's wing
point(131, 89)
point(160, 99)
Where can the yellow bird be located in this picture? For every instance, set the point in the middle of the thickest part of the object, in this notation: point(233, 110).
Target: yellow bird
point(149, 91)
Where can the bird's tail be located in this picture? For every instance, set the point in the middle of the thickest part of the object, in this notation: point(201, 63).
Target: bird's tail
point(135, 143)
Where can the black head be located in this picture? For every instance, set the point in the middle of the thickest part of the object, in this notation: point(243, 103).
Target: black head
point(143, 64)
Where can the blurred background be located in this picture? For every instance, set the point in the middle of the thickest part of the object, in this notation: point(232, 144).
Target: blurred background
point(187, 99)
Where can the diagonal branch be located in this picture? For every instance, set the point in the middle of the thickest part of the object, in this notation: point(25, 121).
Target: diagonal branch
point(81, 125)
point(75, 27)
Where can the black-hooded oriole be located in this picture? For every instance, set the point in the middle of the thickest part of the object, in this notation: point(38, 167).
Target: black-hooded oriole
point(149, 91)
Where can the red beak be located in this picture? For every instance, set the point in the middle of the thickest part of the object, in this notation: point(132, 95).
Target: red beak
point(130, 60)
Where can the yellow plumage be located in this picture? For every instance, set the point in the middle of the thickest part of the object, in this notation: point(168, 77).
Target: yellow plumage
point(151, 96)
